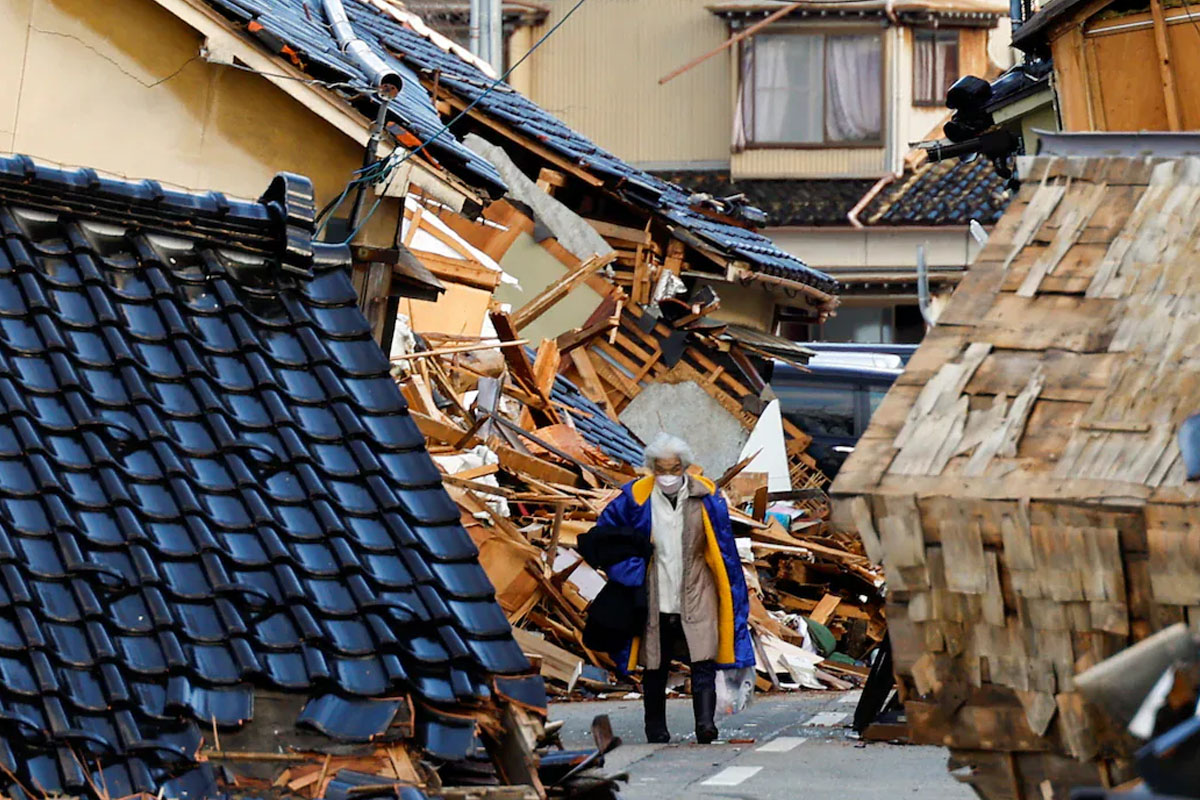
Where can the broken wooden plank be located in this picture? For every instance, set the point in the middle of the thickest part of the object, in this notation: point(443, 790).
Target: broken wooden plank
point(557, 290)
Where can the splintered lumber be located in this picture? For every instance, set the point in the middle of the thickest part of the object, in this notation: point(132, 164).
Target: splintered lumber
point(514, 357)
point(557, 664)
point(825, 608)
point(462, 348)
point(558, 290)
point(524, 463)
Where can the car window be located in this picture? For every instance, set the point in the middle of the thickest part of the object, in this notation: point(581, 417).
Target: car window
point(819, 408)
point(875, 396)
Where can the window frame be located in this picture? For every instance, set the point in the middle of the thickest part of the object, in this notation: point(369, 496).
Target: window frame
point(935, 35)
point(745, 85)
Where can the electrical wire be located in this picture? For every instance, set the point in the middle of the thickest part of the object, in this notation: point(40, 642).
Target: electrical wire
point(388, 166)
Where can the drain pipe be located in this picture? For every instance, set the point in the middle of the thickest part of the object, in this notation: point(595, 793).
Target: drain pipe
point(385, 80)
point(379, 74)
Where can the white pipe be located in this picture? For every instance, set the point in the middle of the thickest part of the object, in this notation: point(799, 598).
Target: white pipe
point(378, 73)
point(475, 25)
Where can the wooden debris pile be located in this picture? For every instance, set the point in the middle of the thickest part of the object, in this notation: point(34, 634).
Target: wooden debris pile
point(532, 462)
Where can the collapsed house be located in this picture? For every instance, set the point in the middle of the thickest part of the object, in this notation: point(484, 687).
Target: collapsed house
point(592, 243)
point(1022, 482)
point(228, 561)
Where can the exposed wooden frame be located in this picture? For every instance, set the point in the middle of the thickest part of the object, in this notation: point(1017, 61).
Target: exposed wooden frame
point(1161, 44)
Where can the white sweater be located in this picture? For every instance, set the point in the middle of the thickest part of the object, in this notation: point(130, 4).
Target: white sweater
point(667, 533)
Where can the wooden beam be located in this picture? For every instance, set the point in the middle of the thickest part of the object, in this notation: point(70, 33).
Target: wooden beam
point(550, 179)
point(465, 273)
point(730, 42)
point(518, 364)
point(545, 366)
point(590, 381)
point(1170, 92)
point(572, 339)
point(518, 462)
point(557, 290)
point(462, 348)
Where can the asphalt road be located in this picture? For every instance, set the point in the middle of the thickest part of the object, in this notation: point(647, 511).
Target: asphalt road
point(801, 749)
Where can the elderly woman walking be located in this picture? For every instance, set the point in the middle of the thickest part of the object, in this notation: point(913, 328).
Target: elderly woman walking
point(694, 590)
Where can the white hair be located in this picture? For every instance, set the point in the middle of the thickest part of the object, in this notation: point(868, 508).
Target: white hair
point(665, 446)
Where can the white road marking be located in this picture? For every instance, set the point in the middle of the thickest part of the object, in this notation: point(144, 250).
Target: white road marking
point(784, 744)
point(827, 718)
point(731, 776)
point(852, 697)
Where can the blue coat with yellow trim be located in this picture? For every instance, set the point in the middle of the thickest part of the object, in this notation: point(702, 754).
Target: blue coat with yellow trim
point(632, 509)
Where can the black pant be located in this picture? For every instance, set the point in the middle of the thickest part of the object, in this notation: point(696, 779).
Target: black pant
point(673, 644)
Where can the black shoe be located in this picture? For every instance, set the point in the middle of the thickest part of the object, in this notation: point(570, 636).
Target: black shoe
point(658, 736)
point(704, 707)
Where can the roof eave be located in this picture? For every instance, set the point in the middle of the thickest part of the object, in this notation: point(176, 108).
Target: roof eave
point(221, 37)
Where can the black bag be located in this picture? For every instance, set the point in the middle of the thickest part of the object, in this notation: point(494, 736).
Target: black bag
point(619, 612)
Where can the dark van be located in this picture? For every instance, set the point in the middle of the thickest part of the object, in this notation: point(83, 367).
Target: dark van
point(834, 400)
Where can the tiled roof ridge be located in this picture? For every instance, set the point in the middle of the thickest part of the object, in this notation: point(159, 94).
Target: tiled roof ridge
point(210, 488)
point(279, 225)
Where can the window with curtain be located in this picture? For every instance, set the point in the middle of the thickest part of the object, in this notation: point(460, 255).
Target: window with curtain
point(810, 89)
point(935, 66)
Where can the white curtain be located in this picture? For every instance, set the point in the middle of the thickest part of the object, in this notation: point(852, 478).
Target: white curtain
point(788, 91)
point(854, 88)
point(743, 112)
point(924, 80)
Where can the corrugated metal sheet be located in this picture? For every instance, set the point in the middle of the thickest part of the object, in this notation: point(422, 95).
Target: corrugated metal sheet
point(599, 74)
point(841, 162)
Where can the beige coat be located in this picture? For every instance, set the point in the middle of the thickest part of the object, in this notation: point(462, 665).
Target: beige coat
point(699, 602)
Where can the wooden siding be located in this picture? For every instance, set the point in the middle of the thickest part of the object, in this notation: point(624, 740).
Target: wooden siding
point(599, 74)
point(1022, 483)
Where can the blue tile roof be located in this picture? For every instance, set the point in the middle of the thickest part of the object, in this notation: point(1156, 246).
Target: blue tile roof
point(951, 192)
point(612, 438)
point(210, 485)
point(297, 23)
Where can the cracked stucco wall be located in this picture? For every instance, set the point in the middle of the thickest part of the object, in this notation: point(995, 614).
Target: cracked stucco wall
point(120, 85)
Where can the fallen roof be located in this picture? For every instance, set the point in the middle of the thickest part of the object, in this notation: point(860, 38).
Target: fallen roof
point(951, 192)
point(288, 27)
point(613, 438)
point(210, 487)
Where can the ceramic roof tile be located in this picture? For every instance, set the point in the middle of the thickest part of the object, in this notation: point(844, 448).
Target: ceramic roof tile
point(296, 23)
point(209, 485)
point(951, 192)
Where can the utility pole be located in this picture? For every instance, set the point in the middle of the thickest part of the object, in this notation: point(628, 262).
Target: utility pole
point(487, 26)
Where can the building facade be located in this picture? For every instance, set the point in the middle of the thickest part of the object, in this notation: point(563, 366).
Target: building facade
point(810, 116)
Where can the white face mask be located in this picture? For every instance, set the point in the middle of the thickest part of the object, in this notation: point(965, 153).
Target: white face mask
point(669, 483)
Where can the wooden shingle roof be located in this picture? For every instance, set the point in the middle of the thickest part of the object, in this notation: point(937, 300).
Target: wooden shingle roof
point(1022, 482)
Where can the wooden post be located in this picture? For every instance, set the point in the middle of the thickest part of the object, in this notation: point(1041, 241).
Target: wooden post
point(374, 301)
point(1170, 93)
